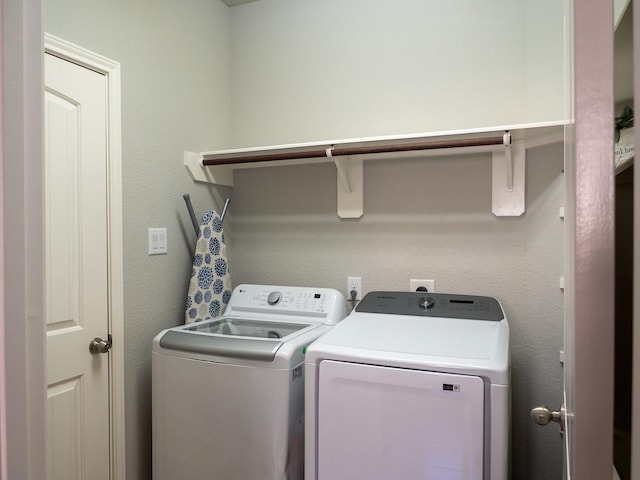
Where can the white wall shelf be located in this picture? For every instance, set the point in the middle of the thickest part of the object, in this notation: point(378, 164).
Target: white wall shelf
point(506, 144)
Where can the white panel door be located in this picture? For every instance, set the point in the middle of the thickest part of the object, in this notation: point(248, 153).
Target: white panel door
point(76, 271)
point(381, 423)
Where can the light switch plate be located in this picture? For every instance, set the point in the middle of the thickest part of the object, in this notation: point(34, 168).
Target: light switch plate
point(157, 241)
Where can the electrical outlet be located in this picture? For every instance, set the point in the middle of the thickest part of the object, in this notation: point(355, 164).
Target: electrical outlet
point(418, 285)
point(354, 283)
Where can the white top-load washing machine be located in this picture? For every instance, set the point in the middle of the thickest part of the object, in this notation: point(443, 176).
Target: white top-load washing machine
point(228, 393)
point(410, 386)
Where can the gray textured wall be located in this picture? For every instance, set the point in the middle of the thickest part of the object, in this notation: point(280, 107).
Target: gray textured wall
point(422, 218)
point(333, 69)
point(426, 218)
point(175, 97)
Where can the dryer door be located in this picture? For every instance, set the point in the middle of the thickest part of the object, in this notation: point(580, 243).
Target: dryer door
point(377, 423)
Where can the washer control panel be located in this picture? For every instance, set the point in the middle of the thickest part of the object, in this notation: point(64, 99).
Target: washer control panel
point(444, 305)
point(325, 303)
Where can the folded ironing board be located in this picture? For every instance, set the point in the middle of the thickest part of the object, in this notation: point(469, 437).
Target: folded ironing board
point(210, 285)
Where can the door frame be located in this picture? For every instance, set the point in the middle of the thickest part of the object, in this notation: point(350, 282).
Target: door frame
point(635, 415)
point(22, 364)
point(111, 70)
point(590, 202)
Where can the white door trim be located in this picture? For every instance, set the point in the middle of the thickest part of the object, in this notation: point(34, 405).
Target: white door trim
point(111, 70)
point(22, 364)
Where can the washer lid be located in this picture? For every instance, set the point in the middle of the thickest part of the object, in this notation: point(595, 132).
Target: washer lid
point(234, 337)
point(247, 328)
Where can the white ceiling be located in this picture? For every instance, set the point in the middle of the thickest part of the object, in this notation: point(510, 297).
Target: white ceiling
point(233, 3)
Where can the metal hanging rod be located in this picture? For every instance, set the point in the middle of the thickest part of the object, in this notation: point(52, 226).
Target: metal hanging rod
point(224, 210)
point(192, 214)
point(333, 151)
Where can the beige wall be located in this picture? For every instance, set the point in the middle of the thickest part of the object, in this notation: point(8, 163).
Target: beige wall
point(316, 70)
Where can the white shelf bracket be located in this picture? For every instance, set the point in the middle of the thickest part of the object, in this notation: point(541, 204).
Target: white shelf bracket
point(349, 174)
point(507, 155)
point(343, 171)
point(508, 179)
point(221, 175)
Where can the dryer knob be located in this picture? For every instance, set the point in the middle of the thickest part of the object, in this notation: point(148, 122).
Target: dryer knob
point(426, 302)
point(274, 298)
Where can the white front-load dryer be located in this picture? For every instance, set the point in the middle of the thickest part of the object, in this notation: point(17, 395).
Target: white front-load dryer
point(410, 386)
point(228, 393)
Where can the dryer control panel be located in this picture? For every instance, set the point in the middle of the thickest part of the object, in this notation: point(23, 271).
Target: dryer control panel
point(442, 305)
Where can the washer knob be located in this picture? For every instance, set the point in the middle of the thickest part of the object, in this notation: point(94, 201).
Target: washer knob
point(274, 298)
point(426, 302)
